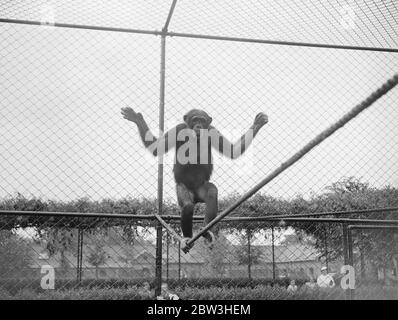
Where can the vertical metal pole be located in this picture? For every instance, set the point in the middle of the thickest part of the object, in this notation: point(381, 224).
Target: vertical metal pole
point(273, 256)
point(350, 259)
point(81, 256)
point(345, 252)
point(362, 259)
point(326, 249)
point(179, 260)
point(167, 256)
point(249, 265)
point(78, 255)
point(158, 272)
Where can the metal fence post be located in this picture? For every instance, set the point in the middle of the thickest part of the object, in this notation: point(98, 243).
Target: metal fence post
point(159, 239)
point(179, 261)
point(345, 253)
point(159, 231)
point(78, 255)
point(167, 256)
point(249, 264)
point(273, 256)
point(326, 249)
point(350, 258)
point(79, 267)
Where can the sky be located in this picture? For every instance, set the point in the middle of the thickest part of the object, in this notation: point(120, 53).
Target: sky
point(61, 90)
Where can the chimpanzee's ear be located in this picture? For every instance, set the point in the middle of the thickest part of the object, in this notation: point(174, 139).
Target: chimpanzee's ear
point(209, 119)
point(186, 118)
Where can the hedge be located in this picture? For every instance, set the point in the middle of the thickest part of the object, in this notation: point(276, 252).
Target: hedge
point(15, 285)
point(260, 292)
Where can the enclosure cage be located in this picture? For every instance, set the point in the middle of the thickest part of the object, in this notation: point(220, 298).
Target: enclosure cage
point(86, 210)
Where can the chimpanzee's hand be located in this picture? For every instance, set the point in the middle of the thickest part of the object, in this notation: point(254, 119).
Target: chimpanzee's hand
point(260, 120)
point(131, 115)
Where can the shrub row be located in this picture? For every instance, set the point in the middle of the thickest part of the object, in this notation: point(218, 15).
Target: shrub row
point(260, 292)
point(15, 285)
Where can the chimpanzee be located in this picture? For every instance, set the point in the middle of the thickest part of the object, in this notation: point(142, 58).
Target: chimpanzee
point(193, 140)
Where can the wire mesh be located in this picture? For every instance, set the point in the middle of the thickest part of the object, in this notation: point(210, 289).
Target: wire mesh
point(364, 23)
point(140, 14)
point(66, 148)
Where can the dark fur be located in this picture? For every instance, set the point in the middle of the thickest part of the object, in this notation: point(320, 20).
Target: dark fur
point(193, 175)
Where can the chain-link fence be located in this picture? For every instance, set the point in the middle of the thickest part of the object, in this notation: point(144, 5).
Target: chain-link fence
point(102, 255)
point(80, 195)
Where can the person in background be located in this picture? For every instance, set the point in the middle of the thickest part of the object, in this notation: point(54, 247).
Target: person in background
point(145, 290)
point(325, 280)
point(311, 284)
point(166, 294)
point(292, 286)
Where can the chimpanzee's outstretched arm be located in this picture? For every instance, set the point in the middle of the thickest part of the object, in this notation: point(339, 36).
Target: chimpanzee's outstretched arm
point(154, 145)
point(234, 150)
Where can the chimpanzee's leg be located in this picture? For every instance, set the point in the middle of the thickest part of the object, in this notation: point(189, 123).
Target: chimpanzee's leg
point(208, 193)
point(185, 199)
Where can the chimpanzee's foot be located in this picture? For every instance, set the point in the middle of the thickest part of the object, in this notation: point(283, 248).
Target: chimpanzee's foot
point(209, 239)
point(185, 240)
point(184, 244)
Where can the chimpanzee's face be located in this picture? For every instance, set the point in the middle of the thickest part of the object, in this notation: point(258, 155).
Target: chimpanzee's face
point(198, 123)
point(197, 120)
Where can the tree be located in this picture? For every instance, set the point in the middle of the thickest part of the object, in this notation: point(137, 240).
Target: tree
point(59, 240)
point(348, 185)
point(97, 257)
point(217, 256)
point(15, 254)
point(372, 246)
point(245, 253)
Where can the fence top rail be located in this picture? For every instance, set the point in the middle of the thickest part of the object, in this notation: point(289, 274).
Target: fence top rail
point(372, 227)
point(270, 219)
point(281, 43)
point(336, 213)
point(316, 220)
point(77, 214)
point(164, 32)
point(82, 26)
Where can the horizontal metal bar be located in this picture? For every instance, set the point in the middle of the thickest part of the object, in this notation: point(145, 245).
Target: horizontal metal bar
point(336, 213)
point(203, 36)
point(322, 220)
point(369, 227)
point(196, 218)
point(78, 214)
point(80, 26)
point(280, 43)
point(93, 215)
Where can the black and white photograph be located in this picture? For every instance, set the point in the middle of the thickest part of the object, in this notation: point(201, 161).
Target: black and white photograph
point(209, 152)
